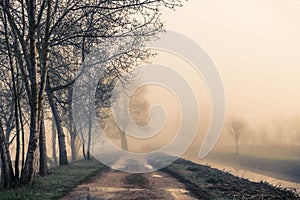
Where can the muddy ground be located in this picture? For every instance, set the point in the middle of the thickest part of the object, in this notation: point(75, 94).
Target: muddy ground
point(120, 185)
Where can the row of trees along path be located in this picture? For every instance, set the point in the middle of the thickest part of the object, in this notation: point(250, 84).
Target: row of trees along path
point(43, 44)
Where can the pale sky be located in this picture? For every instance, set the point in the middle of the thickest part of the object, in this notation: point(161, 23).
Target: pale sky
point(255, 44)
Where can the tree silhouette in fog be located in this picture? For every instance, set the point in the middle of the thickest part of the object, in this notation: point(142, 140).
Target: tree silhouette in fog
point(236, 128)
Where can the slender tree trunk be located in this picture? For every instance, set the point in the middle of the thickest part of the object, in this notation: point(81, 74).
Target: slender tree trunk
point(42, 146)
point(83, 142)
point(89, 137)
point(237, 147)
point(32, 66)
point(72, 129)
point(7, 170)
point(54, 154)
point(73, 147)
point(15, 101)
point(1, 173)
point(88, 153)
point(17, 159)
point(23, 135)
point(44, 74)
point(83, 151)
point(63, 158)
point(90, 125)
point(123, 140)
point(28, 171)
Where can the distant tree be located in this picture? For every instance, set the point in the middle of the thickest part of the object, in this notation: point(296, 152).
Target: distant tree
point(138, 108)
point(236, 128)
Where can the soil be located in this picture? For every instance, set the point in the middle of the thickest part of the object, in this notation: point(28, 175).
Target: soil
point(120, 185)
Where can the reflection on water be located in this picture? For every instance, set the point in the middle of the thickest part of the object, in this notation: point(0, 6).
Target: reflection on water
point(254, 176)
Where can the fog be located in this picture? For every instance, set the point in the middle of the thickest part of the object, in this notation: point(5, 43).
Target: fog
point(255, 46)
point(263, 126)
point(256, 54)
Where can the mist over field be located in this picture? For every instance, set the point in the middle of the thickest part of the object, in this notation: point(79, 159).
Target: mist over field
point(257, 57)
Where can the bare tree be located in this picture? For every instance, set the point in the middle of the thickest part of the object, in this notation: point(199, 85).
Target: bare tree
point(236, 128)
point(37, 35)
point(137, 105)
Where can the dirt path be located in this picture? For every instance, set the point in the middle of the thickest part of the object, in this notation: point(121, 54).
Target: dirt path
point(124, 186)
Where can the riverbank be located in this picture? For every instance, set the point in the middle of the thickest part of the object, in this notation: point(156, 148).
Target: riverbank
point(284, 169)
point(209, 183)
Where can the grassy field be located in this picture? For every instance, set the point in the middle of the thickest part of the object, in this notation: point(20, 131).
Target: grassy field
point(270, 151)
point(57, 183)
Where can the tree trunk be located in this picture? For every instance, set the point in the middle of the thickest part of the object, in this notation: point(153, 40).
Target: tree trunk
point(7, 171)
point(44, 74)
point(16, 102)
point(32, 68)
point(83, 151)
point(23, 136)
point(73, 147)
point(89, 137)
point(28, 171)
point(42, 146)
point(54, 154)
point(63, 158)
point(123, 141)
point(1, 170)
point(17, 159)
point(72, 129)
point(237, 147)
point(88, 155)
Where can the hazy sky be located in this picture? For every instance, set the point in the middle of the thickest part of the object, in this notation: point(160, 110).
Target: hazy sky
point(255, 44)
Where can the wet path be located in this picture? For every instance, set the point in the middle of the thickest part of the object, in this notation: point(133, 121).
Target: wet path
point(120, 185)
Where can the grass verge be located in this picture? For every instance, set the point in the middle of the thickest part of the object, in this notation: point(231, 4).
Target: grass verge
point(208, 183)
point(57, 183)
